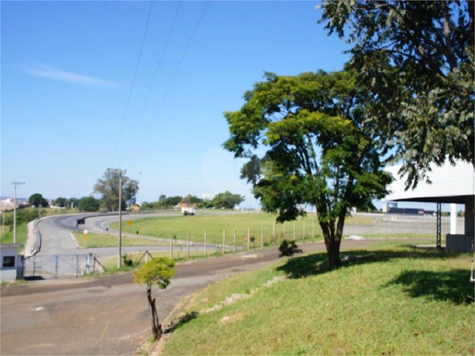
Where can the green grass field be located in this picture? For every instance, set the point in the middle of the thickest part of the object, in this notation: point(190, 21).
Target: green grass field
point(97, 240)
point(395, 300)
point(214, 225)
point(21, 234)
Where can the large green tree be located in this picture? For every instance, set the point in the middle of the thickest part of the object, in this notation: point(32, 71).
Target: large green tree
point(108, 188)
point(417, 60)
point(37, 200)
point(172, 201)
point(89, 204)
point(306, 143)
point(61, 202)
point(227, 200)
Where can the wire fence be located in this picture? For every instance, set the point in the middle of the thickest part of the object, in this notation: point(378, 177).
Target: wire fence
point(240, 239)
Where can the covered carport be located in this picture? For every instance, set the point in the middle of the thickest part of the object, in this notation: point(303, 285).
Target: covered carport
point(450, 184)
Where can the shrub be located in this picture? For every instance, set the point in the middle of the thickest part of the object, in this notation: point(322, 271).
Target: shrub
point(288, 248)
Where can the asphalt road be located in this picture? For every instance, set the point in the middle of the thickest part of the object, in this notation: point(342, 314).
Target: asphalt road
point(57, 239)
point(108, 315)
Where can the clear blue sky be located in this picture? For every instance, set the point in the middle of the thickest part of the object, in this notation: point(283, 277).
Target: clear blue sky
point(67, 71)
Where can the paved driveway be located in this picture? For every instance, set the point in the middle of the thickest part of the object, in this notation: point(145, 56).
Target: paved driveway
point(108, 315)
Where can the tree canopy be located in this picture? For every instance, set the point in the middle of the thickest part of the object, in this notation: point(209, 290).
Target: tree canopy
point(37, 200)
point(191, 199)
point(90, 204)
point(416, 58)
point(227, 200)
point(108, 188)
point(61, 202)
point(157, 271)
point(317, 149)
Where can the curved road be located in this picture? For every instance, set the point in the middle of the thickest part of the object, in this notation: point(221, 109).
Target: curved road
point(109, 315)
point(57, 239)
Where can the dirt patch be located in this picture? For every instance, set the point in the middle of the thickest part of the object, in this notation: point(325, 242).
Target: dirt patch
point(231, 318)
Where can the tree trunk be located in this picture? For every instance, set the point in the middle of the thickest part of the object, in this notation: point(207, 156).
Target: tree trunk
point(156, 327)
point(332, 242)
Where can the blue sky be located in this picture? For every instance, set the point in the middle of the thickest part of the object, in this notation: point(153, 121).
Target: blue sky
point(68, 69)
point(67, 72)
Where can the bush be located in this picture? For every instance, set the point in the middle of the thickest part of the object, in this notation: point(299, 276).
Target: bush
point(288, 248)
point(128, 261)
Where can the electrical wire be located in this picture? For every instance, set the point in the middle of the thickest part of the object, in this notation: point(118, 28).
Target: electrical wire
point(133, 81)
point(153, 82)
point(171, 82)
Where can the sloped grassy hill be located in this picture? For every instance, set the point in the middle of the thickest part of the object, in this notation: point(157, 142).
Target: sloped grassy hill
point(391, 300)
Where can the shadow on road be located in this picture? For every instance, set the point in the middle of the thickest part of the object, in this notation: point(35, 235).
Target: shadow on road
point(34, 278)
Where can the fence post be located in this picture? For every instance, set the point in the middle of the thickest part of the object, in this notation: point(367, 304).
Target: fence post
point(56, 267)
point(262, 236)
point(248, 237)
point(171, 246)
point(313, 228)
point(224, 240)
point(303, 232)
point(188, 244)
point(293, 234)
point(234, 238)
point(204, 245)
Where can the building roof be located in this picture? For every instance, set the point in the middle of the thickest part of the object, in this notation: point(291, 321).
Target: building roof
point(9, 246)
point(450, 184)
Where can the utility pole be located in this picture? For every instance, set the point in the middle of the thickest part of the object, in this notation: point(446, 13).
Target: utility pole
point(119, 172)
point(15, 183)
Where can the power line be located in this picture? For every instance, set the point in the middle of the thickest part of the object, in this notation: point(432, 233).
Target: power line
point(171, 82)
point(153, 82)
point(133, 80)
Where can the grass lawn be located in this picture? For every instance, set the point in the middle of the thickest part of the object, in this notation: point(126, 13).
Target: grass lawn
point(179, 226)
point(392, 299)
point(97, 240)
point(21, 234)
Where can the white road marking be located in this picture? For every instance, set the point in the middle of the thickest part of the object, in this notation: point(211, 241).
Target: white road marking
point(74, 239)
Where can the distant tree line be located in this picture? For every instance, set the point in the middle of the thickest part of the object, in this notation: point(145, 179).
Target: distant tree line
point(225, 200)
point(89, 203)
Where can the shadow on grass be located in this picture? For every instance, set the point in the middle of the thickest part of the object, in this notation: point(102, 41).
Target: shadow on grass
point(453, 285)
point(315, 264)
point(176, 324)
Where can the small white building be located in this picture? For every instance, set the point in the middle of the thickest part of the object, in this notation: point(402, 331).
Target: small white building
point(11, 264)
point(452, 184)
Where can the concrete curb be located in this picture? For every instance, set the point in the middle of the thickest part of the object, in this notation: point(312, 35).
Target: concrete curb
point(30, 242)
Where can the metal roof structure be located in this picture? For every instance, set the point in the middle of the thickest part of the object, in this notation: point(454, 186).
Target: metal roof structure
point(450, 184)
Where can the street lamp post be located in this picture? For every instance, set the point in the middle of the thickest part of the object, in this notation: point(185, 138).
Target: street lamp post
point(15, 183)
